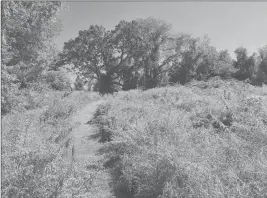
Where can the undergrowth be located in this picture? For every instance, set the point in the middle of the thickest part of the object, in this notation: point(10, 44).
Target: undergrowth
point(35, 142)
point(187, 141)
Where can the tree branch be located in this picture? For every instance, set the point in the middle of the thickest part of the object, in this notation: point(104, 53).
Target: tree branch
point(167, 61)
point(117, 83)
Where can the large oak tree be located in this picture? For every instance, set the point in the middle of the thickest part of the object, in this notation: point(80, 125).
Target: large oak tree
point(119, 57)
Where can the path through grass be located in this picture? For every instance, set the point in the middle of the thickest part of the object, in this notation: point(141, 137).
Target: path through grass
point(87, 164)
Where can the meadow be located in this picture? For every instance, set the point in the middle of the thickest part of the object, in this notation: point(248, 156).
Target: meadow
point(205, 139)
point(203, 136)
point(35, 139)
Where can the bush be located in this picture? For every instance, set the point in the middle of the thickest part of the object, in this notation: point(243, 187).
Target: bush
point(101, 120)
point(8, 92)
point(78, 85)
point(58, 80)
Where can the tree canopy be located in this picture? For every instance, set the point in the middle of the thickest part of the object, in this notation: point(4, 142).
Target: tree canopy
point(27, 32)
point(133, 49)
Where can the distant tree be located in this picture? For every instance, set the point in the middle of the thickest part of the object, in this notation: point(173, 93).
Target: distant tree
point(261, 73)
point(198, 59)
point(189, 55)
point(244, 64)
point(263, 59)
point(158, 51)
point(224, 65)
point(206, 64)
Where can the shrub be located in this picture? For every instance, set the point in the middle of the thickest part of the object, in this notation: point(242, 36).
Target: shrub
point(78, 85)
point(101, 120)
point(58, 80)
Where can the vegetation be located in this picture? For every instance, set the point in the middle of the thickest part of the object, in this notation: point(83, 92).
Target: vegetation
point(36, 119)
point(144, 54)
point(58, 80)
point(198, 129)
point(34, 146)
point(205, 139)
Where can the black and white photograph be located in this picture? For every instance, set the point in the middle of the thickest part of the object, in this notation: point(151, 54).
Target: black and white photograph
point(134, 99)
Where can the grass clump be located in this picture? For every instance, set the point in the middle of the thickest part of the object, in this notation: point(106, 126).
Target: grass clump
point(188, 141)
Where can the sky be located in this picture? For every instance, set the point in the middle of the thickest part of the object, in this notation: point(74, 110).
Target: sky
point(228, 24)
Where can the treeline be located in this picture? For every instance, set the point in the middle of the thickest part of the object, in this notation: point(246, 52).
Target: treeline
point(138, 54)
point(143, 53)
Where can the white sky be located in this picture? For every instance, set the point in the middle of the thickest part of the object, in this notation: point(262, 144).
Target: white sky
point(228, 24)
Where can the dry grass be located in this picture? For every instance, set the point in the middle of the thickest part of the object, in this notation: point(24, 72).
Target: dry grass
point(34, 144)
point(187, 141)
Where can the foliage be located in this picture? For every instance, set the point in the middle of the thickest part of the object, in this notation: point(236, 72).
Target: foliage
point(18, 100)
point(130, 50)
point(27, 31)
point(190, 55)
point(157, 50)
point(143, 54)
point(58, 80)
point(261, 74)
point(78, 84)
point(224, 66)
point(199, 60)
point(244, 63)
point(263, 59)
point(28, 28)
point(8, 91)
point(191, 141)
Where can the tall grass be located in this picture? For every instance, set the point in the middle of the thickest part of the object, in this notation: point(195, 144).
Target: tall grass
point(34, 144)
point(188, 141)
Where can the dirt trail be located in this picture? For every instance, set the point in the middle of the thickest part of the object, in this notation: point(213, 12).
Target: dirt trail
point(84, 152)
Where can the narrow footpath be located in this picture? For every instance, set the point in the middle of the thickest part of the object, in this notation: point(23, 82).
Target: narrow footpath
point(84, 154)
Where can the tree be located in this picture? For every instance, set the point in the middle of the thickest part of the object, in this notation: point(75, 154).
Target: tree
point(208, 57)
point(198, 59)
point(130, 50)
point(261, 74)
point(157, 50)
point(263, 59)
point(189, 54)
point(27, 32)
point(224, 65)
point(91, 53)
point(244, 64)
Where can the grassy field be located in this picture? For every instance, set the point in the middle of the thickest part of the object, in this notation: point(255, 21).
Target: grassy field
point(34, 143)
point(205, 139)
